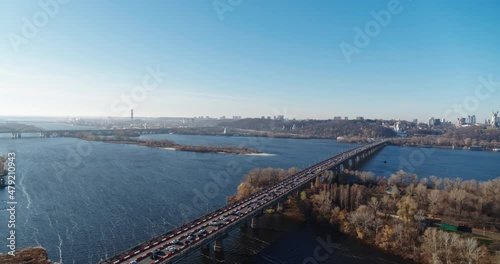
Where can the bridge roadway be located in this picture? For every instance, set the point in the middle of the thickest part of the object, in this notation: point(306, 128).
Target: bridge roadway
point(182, 241)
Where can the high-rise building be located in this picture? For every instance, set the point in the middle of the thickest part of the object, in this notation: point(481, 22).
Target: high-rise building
point(494, 120)
point(131, 114)
point(473, 120)
point(415, 121)
point(337, 118)
point(431, 121)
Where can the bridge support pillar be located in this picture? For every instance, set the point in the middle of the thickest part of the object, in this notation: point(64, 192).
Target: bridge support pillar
point(254, 222)
point(218, 245)
point(280, 207)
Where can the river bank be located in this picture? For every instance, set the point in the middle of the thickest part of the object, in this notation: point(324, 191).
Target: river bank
point(430, 143)
point(36, 255)
point(397, 214)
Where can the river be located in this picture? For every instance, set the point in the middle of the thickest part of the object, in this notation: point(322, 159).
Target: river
point(85, 201)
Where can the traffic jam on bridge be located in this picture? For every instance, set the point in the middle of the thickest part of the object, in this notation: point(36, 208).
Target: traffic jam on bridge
point(196, 232)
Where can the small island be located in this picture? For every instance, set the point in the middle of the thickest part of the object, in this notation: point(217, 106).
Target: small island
point(169, 144)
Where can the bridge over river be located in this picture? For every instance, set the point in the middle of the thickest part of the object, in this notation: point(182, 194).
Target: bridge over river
point(213, 227)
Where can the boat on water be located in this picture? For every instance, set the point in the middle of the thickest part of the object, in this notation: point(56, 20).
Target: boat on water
point(476, 148)
point(496, 150)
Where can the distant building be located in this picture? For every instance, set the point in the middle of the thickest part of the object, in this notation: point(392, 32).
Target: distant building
point(473, 120)
point(494, 120)
point(279, 117)
point(393, 190)
point(222, 117)
point(337, 118)
point(188, 120)
point(415, 121)
point(131, 114)
point(360, 118)
point(397, 129)
point(431, 122)
point(463, 121)
point(236, 117)
point(346, 118)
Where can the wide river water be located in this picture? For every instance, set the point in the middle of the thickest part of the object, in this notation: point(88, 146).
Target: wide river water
point(86, 201)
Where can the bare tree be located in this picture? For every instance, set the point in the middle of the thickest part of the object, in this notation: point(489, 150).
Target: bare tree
point(374, 205)
point(434, 198)
point(472, 252)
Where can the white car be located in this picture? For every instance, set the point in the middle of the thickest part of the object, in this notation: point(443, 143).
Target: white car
point(171, 249)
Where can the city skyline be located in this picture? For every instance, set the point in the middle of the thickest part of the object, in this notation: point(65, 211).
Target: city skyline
point(259, 59)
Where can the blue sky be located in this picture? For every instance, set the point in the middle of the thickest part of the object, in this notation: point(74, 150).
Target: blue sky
point(264, 58)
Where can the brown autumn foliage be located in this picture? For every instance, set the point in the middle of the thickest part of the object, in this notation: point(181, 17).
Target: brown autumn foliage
point(398, 219)
point(36, 255)
point(258, 179)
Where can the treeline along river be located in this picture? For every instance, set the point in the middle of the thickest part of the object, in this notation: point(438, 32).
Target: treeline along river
point(85, 201)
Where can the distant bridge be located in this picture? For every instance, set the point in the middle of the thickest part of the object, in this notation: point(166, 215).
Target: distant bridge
point(213, 227)
point(16, 128)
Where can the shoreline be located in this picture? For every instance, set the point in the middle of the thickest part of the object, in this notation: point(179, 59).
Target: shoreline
point(170, 145)
point(245, 154)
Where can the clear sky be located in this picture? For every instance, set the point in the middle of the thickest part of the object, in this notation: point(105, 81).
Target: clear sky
point(263, 58)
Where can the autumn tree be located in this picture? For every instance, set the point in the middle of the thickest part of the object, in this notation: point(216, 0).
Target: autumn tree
point(407, 207)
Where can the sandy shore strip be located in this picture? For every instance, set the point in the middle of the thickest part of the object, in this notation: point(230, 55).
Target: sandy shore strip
point(259, 154)
point(247, 154)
